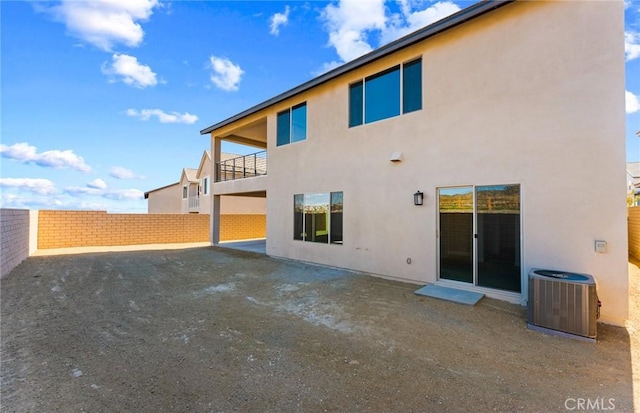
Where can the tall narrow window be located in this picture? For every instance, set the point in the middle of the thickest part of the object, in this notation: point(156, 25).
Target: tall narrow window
point(284, 127)
point(412, 86)
point(316, 217)
point(184, 192)
point(356, 104)
point(298, 217)
point(299, 123)
point(382, 95)
point(205, 185)
point(336, 217)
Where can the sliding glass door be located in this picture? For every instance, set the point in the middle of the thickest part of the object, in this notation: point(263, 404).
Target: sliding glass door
point(479, 235)
point(456, 233)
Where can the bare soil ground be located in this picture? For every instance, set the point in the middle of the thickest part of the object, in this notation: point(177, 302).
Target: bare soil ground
point(215, 330)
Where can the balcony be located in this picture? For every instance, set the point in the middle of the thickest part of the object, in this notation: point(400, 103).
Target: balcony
point(242, 167)
point(194, 203)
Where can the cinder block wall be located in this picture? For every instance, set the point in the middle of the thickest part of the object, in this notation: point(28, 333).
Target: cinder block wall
point(15, 225)
point(242, 226)
point(62, 229)
point(634, 231)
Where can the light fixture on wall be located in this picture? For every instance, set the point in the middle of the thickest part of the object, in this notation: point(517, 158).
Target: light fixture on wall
point(418, 198)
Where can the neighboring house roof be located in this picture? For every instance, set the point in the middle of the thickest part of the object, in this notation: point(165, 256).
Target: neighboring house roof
point(146, 194)
point(426, 32)
point(205, 155)
point(634, 169)
point(190, 173)
point(226, 156)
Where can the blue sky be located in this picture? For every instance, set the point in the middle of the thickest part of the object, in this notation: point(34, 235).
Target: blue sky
point(103, 100)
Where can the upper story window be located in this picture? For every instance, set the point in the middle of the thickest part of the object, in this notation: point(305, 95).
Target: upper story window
point(292, 125)
point(205, 185)
point(184, 192)
point(386, 94)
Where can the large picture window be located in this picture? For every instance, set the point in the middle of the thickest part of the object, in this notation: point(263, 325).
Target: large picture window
point(292, 125)
point(318, 217)
point(386, 94)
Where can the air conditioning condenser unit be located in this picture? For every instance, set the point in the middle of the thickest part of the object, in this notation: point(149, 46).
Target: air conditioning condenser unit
point(563, 303)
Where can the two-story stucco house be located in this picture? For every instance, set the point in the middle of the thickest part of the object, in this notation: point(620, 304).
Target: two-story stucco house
point(191, 195)
point(507, 118)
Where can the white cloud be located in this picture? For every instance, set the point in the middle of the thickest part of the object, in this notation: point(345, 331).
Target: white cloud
point(163, 117)
point(83, 190)
point(632, 102)
point(97, 184)
point(105, 23)
point(95, 190)
point(279, 19)
point(26, 200)
point(35, 185)
point(631, 45)
point(123, 173)
point(327, 66)
point(411, 21)
point(350, 23)
point(226, 75)
point(121, 194)
point(127, 69)
point(25, 153)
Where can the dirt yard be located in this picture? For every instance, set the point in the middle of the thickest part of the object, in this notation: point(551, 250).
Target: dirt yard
point(214, 330)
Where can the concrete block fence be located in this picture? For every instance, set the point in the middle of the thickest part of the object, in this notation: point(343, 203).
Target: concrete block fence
point(63, 229)
point(634, 231)
point(242, 226)
point(25, 231)
point(18, 234)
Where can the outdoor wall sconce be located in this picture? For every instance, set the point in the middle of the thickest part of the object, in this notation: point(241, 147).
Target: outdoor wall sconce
point(418, 198)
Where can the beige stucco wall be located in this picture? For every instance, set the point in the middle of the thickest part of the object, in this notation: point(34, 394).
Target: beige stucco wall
point(529, 94)
point(167, 200)
point(243, 205)
point(205, 200)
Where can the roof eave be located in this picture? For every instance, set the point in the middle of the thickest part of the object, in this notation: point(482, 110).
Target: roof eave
point(469, 13)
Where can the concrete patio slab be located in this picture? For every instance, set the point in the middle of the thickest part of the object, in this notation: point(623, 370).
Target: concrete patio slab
point(258, 245)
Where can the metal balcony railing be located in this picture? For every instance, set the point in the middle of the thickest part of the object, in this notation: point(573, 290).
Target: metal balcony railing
point(242, 167)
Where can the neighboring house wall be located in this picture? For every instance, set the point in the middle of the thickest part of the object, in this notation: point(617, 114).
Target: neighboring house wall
point(190, 198)
point(167, 200)
point(634, 231)
point(18, 231)
point(204, 179)
point(528, 94)
point(61, 229)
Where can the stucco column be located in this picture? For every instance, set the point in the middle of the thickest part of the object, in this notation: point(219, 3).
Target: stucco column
point(214, 222)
